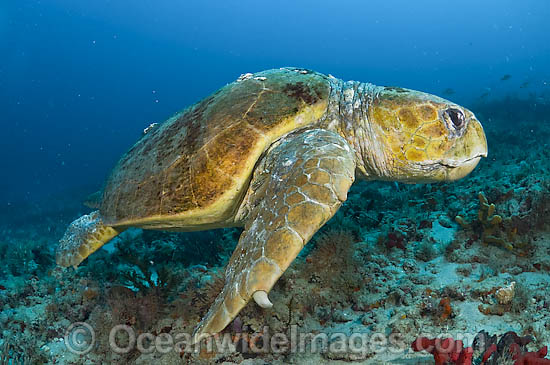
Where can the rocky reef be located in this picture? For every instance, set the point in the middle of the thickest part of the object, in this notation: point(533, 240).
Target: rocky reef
point(397, 264)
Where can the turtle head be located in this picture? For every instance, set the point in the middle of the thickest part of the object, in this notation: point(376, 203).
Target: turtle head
point(423, 138)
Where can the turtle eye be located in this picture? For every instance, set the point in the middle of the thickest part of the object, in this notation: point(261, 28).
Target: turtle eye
point(455, 118)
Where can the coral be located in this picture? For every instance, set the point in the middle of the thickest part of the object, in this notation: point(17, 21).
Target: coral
point(512, 298)
point(439, 311)
point(493, 228)
point(425, 251)
point(510, 349)
point(529, 358)
point(6, 359)
point(505, 294)
point(392, 240)
point(205, 296)
point(445, 309)
point(24, 256)
point(496, 309)
point(133, 309)
point(445, 351)
point(484, 351)
point(332, 262)
point(144, 276)
point(522, 297)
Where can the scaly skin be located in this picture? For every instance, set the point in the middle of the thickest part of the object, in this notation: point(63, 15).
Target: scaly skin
point(402, 135)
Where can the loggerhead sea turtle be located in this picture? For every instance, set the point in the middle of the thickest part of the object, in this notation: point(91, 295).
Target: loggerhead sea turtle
point(274, 152)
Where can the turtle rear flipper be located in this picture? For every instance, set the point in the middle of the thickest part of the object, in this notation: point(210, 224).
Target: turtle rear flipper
point(298, 187)
point(83, 237)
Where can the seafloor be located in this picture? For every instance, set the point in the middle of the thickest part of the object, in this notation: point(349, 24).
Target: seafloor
point(397, 262)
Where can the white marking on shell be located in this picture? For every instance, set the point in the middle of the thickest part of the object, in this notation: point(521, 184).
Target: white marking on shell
point(148, 129)
point(244, 77)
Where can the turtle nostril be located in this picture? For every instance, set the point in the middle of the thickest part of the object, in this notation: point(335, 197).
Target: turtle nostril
point(456, 117)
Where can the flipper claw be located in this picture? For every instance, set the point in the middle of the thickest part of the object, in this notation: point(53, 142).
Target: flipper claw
point(260, 297)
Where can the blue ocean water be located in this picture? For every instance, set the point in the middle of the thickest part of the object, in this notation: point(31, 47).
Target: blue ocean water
point(81, 80)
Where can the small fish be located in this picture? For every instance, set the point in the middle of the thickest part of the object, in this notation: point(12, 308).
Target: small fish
point(484, 95)
point(524, 85)
point(505, 77)
point(448, 91)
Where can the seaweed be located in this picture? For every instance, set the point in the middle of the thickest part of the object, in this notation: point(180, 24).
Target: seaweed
point(145, 276)
point(6, 358)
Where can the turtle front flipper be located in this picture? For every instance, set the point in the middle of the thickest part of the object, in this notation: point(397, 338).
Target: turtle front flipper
point(83, 237)
point(297, 187)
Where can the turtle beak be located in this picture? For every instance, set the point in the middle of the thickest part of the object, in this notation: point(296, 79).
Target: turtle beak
point(479, 142)
point(473, 141)
point(462, 170)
